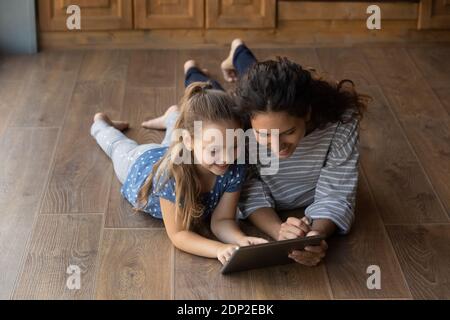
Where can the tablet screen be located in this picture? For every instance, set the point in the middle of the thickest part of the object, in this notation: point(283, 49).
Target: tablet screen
point(267, 254)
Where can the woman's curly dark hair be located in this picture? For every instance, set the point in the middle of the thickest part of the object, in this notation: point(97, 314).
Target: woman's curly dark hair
point(282, 85)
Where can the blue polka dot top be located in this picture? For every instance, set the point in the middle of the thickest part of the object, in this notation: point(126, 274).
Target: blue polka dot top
point(231, 181)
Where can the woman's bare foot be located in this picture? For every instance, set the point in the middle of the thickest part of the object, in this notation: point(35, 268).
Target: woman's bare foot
point(191, 64)
point(229, 72)
point(160, 122)
point(119, 125)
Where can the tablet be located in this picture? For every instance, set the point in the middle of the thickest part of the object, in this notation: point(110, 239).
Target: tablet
point(267, 254)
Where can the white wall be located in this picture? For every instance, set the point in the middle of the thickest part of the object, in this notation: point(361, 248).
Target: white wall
point(18, 26)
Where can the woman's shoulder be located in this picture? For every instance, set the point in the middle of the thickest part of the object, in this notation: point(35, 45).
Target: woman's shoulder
point(337, 133)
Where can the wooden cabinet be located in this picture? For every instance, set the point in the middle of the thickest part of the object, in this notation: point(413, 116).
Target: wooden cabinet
point(169, 14)
point(174, 23)
point(96, 14)
point(434, 14)
point(250, 14)
point(159, 14)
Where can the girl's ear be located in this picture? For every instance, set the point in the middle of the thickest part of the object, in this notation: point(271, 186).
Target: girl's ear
point(187, 140)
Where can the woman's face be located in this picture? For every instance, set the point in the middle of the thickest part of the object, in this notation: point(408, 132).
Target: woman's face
point(291, 131)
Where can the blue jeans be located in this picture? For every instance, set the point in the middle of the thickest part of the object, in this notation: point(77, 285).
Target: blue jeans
point(243, 59)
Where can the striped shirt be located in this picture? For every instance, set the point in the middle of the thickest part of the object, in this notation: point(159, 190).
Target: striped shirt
point(321, 174)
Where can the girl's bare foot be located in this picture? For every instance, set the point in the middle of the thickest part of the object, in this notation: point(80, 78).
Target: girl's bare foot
point(160, 122)
point(228, 70)
point(119, 125)
point(191, 64)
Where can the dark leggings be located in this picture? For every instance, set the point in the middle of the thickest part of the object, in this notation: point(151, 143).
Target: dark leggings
point(242, 60)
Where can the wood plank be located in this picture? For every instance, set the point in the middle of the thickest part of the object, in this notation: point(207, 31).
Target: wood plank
point(104, 65)
point(198, 278)
point(368, 244)
point(24, 169)
point(443, 94)
point(423, 118)
point(433, 63)
point(82, 174)
point(152, 68)
point(16, 67)
point(401, 189)
point(140, 104)
point(146, 103)
point(135, 264)
point(346, 63)
point(48, 90)
point(10, 99)
point(424, 254)
point(291, 282)
point(57, 243)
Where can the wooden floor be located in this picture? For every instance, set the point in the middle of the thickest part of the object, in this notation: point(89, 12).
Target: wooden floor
point(60, 203)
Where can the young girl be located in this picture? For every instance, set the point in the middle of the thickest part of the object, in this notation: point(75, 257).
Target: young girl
point(207, 186)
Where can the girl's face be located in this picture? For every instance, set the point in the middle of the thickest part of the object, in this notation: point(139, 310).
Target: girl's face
point(213, 152)
point(291, 131)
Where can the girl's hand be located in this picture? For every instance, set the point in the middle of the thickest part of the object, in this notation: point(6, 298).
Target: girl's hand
point(312, 255)
point(249, 241)
point(294, 228)
point(225, 252)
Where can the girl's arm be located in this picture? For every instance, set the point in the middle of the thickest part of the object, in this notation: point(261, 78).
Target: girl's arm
point(189, 241)
point(224, 225)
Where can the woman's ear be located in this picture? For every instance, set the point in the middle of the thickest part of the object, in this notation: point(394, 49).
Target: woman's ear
point(308, 116)
point(187, 140)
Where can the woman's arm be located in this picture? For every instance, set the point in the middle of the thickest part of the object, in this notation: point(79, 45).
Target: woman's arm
point(185, 240)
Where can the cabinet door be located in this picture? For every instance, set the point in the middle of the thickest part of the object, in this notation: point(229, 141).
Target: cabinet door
point(434, 14)
point(241, 14)
point(95, 14)
point(169, 14)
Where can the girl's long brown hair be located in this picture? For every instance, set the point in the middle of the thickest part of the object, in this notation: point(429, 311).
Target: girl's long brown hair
point(200, 103)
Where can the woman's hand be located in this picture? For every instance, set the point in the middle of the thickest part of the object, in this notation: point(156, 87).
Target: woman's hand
point(250, 241)
point(225, 252)
point(294, 228)
point(312, 255)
